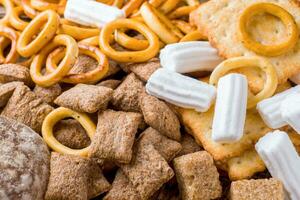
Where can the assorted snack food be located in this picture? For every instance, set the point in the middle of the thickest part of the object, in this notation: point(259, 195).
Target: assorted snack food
point(158, 99)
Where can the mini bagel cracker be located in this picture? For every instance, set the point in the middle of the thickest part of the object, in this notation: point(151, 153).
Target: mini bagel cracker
point(218, 19)
point(200, 126)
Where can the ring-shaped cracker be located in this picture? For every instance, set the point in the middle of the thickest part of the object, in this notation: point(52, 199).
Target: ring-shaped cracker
point(8, 37)
point(160, 24)
point(26, 46)
point(193, 36)
point(15, 20)
point(129, 42)
point(168, 6)
point(90, 77)
point(128, 56)
point(131, 6)
point(8, 5)
point(28, 9)
point(62, 113)
point(63, 68)
point(181, 12)
point(273, 49)
point(243, 62)
point(77, 32)
point(43, 5)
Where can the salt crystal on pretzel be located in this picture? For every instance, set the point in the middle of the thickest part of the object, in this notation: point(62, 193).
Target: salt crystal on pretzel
point(230, 110)
point(181, 90)
point(282, 160)
point(290, 111)
point(91, 13)
point(188, 57)
point(269, 109)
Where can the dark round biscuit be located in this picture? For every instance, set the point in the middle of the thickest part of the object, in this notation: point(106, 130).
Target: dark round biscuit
point(24, 162)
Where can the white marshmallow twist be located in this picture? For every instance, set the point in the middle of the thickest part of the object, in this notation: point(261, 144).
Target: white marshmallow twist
point(290, 111)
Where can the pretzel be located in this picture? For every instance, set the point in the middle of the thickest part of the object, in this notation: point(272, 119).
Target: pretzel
point(193, 36)
point(88, 77)
point(59, 114)
point(7, 4)
point(134, 56)
point(243, 62)
point(160, 24)
point(12, 37)
point(131, 6)
point(273, 49)
point(63, 68)
point(156, 3)
point(77, 32)
point(193, 2)
point(93, 41)
point(181, 12)
point(129, 42)
point(168, 6)
point(25, 46)
point(28, 9)
point(42, 5)
point(14, 19)
point(185, 27)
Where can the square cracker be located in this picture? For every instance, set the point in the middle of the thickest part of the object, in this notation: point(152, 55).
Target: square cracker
point(115, 136)
point(197, 176)
point(148, 170)
point(218, 19)
point(260, 189)
point(200, 126)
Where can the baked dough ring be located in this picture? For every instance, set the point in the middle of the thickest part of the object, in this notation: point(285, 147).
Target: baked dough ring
point(9, 36)
point(26, 46)
point(63, 68)
point(7, 4)
point(243, 62)
point(59, 114)
point(126, 56)
point(129, 42)
point(90, 77)
point(193, 36)
point(28, 9)
point(273, 49)
point(15, 20)
point(43, 5)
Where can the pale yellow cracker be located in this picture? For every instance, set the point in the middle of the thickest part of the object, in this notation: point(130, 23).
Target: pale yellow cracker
point(218, 19)
point(200, 125)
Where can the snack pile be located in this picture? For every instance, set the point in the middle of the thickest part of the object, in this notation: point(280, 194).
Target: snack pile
point(149, 100)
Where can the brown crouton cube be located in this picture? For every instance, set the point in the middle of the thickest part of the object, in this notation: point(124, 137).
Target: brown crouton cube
point(115, 135)
point(25, 107)
point(147, 171)
point(122, 189)
point(97, 183)
point(15, 72)
point(260, 189)
point(189, 145)
point(166, 147)
point(197, 176)
point(6, 91)
point(71, 134)
point(85, 98)
point(146, 69)
point(126, 96)
point(68, 177)
point(111, 83)
point(48, 94)
point(159, 116)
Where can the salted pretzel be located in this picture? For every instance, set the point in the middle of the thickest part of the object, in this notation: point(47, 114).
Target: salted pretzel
point(129, 42)
point(89, 77)
point(15, 20)
point(63, 68)
point(160, 24)
point(131, 6)
point(7, 4)
point(273, 49)
point(9, 37)
point(59, 114)
point(42, 5)
point(28, 9)
point(26, 46)
point(128, 56)
point(76, 31)
point(249, 62)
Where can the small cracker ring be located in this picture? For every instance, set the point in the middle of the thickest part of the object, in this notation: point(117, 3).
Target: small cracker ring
point(274, 49)
point(8, 34)
point(243, 62)
point(59, 114)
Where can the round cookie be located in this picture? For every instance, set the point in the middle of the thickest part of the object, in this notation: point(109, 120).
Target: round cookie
point(24, 162)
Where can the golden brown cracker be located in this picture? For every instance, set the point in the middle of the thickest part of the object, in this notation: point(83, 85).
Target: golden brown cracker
point(200, 125)
point(218, 19)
